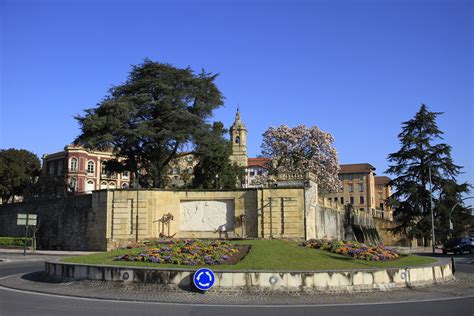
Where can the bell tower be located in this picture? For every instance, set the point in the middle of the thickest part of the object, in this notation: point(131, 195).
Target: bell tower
point(238, 136)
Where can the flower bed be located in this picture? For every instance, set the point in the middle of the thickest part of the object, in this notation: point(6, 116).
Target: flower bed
point(185, 252)
point(353, 249)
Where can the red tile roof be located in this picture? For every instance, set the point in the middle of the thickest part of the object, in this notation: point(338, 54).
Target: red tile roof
point(260, 162)
point(347, 168)
point(356, 168)
point(382, 180)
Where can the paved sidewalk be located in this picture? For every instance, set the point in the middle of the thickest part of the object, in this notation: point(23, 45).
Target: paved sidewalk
point(463, 286)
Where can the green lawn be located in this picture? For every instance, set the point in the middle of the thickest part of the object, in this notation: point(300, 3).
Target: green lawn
point(270, 255)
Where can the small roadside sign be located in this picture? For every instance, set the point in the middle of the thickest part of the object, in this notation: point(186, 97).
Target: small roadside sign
point(27, 219)
point(204, 279)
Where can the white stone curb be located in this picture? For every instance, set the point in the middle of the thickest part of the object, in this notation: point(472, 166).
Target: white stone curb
point(267, 281)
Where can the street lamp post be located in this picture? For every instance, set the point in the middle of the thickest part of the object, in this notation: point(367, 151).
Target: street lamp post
point(217, 181)
point(137, 183)
point(432, 213)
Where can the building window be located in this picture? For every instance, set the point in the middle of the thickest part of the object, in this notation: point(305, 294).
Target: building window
point(361, 187)
point(330, 200)
point(259, 172)
point(361, 200)
point(51, 168)
point(60, 168)
point(351, 176)
point(90, 186)
point(342, 200)
point(103, 170)
point(90, 167)
point(72, 184)
point(381, 206)
point(125, 186)
point(73, 164)
point(252, 172)
point(361, 209)
point(125, 174)
point(352, 200)
point(351, 187)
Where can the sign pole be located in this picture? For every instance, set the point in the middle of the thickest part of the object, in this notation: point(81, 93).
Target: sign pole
point(27, 220)
point(26, 237)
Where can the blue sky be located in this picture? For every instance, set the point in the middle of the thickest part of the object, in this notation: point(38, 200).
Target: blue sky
point(356, 69)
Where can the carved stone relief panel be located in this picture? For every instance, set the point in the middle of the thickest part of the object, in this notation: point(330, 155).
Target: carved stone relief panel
point(209, 215)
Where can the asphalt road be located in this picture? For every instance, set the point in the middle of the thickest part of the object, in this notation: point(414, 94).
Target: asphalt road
point(14, 302)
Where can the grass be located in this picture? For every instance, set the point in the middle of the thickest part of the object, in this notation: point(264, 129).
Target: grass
point(270, 255)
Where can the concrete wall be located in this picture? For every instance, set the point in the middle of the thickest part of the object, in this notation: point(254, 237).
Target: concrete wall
point(263, 281)
point(67, 224)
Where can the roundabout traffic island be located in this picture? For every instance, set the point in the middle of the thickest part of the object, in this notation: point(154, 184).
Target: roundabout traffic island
point(255, 267)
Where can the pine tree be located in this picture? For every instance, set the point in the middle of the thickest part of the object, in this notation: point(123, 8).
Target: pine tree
point(150, 118)
point(214, 169)
point(421, 154)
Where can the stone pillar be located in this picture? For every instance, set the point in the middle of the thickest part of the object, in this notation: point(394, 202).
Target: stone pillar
point(310, 202)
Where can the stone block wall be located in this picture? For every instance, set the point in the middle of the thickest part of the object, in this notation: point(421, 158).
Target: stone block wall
point(329, 223)
point(387, 237)
point(281, 213)
point(133, 215)
point(66, 224)
point(250, 213)
point(108, 219)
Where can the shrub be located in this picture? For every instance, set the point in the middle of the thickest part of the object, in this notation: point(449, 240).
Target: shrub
point(353, 249)
point(12, 242)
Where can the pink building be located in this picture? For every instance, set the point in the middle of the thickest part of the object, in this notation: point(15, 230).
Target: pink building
point(84, 170)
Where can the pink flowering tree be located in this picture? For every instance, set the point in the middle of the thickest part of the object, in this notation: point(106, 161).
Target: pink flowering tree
point(302, 149)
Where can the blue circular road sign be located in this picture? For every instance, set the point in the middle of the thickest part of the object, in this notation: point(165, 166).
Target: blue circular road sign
point(204, 279)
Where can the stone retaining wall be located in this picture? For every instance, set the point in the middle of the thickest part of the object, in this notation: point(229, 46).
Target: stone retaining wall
point(68, 223)
point(262, 281)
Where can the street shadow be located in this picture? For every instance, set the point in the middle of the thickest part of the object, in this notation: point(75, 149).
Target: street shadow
point(41, 277)
point(186, 284)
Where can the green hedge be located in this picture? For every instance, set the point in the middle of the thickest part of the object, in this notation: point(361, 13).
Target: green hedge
point(11, 242)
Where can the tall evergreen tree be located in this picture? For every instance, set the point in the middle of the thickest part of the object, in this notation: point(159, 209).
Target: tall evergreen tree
point(450, 196)
point(214, 169)
point(151, 117)
point(421, 154)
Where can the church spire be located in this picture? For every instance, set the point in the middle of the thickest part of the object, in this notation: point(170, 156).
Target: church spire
point(238, 122)
point(238, 136)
